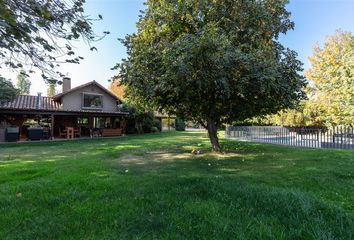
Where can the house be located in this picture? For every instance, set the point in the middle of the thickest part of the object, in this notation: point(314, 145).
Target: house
point(87, 110)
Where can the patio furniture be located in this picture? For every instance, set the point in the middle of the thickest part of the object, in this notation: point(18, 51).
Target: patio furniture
point(12, 134)
point(95, 132)
point(77, 132)
point(69, 132)
point(110, 132)
point(62, 132)
point(35, 133)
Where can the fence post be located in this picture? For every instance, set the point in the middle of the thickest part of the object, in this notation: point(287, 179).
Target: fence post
point(341, 137)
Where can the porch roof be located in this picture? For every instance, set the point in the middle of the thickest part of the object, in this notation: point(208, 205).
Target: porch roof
point(28, 102)
point(39, 104)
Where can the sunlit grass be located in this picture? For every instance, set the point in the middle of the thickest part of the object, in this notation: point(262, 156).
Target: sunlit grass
point(152, 187)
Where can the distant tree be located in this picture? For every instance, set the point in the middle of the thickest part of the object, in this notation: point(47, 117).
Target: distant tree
point(51, 91)
point(7, 90)
point(212, 62)
point(23, 83)
point(308, 113)
point(332, 75)
point(35, 33)
point(118, 89)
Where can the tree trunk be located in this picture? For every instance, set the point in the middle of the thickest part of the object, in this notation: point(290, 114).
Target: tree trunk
point(213, 135)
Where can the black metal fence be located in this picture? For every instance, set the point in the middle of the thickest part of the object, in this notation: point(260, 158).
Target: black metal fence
point(336, 137)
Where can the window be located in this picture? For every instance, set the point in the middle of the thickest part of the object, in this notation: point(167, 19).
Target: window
point(99, 122)
point(91, 100)
point(102, 122)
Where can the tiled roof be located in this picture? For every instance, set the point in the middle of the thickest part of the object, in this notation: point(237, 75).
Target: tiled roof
point(28, 102)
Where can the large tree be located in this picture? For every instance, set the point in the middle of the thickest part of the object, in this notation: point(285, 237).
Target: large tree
point(332, 77)
point(7, 90)
point(38, 33)
point(211, 61)
point(23, 83)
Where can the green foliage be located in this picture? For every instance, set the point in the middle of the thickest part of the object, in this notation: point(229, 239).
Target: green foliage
point(51, 90)
point(212, 62)
point(307, 114)
point(150, 185)
point(23, 84)
point(332, 75)
point(331, 92)
point(7, 90)
point(145, 120)
point(154, 129)
point(32, 33)
point(180, 124)
point(157, 124)
point(140, 121)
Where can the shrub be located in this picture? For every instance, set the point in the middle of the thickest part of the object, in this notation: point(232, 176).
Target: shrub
point(180, 124)
point(147, 120)
point(154, 129)
point(157, 124)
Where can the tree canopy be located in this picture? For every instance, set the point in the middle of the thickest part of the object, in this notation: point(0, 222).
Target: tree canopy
point(332, 77)
point(7, 90)
point(212, 62)
point(38, 33)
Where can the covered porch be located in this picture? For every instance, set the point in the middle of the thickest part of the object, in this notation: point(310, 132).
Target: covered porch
point(43, 125)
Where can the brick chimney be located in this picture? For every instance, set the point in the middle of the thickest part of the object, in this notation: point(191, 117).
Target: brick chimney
point(66, 84)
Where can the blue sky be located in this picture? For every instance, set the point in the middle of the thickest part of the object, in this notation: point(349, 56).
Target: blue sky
point(314, 20)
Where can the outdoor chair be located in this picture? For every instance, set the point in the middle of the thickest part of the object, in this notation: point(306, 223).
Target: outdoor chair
point(69, 132)
point(77, 132)
point(95, 132)
point(62, 133)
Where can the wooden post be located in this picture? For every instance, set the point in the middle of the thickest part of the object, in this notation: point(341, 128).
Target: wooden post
point(168, 123)
point(123, 125)
point(52, 126)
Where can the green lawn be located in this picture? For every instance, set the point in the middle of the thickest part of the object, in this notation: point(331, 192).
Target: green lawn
point(151, 187)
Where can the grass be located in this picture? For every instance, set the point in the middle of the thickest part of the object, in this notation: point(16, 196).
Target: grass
point(151, 187)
